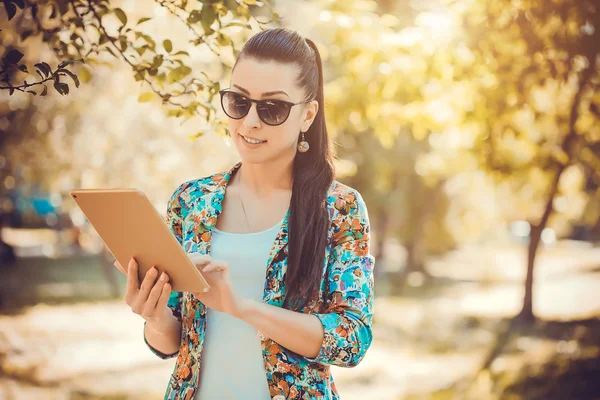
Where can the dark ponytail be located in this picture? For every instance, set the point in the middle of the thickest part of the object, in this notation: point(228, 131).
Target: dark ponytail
point(313, 171)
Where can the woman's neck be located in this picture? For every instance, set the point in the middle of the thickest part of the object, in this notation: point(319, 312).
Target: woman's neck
point(265, 178)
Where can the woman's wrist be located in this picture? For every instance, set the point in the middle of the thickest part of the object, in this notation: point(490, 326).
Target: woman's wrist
point(160, 325)
point(245, 308)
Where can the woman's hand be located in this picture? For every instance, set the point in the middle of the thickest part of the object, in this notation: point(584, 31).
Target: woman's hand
point(221, 296)
point(149, 300)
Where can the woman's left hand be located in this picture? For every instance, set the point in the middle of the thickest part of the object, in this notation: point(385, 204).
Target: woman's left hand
point(221, 296)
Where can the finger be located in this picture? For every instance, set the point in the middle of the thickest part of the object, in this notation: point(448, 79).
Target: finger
point(163, 300)
point(150, 305)
point(200, 259)
point(144, 292)
point(148, 283)
point(132, 280)
point(120, 268)
point(216, 265)
point(211, 268)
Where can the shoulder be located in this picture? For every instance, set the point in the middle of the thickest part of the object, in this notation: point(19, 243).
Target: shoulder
point(344, 199)
point(347, 213)
point(190, 191)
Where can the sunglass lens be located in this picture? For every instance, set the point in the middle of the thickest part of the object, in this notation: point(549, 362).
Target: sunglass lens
point(273, 112)
point(235, 105)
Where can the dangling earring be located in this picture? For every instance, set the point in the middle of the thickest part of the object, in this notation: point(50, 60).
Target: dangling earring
point(303, 145)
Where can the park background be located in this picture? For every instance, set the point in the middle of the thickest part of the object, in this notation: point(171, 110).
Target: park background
point(470, 127)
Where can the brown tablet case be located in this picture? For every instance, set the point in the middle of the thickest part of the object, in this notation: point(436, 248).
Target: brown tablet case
point(131, 227)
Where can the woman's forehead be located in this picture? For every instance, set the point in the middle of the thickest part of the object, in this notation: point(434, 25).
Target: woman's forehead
point(263, 77)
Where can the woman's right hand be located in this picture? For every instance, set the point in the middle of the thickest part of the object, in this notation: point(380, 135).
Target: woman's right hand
point(149, 300)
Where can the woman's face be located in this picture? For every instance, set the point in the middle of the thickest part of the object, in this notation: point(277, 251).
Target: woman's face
point(254, 79)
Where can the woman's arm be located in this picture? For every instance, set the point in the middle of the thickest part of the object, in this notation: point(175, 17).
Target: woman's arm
point(164, 336)
point(298, 332)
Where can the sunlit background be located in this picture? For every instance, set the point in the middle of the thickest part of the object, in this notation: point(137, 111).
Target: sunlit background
point(470, 127)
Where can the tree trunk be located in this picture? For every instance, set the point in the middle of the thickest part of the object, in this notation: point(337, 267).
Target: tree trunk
point(526, 315)
point(568, 144)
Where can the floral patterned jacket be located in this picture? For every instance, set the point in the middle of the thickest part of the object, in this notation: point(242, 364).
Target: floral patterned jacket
point(344, 305)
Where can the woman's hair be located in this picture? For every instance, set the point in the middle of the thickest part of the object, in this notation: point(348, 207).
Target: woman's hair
point(313, 171)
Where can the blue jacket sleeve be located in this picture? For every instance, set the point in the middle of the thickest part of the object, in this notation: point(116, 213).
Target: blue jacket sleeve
point(347, 320)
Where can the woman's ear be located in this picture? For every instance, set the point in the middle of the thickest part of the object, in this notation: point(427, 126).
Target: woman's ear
point(310, 114)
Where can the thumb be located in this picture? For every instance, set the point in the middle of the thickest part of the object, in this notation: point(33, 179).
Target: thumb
point(199, 259)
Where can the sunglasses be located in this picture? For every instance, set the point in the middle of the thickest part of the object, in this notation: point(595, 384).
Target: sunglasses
point(272, 112)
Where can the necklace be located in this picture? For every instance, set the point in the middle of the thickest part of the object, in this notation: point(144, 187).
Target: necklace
point(242, 203)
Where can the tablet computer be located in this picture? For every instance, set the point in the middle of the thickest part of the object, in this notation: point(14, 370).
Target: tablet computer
point(130, 227)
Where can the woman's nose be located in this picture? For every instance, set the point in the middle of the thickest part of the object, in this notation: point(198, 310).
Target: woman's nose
point(252, 120)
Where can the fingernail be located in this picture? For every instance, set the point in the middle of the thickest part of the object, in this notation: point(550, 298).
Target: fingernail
point(153, 270)
point(163, 277)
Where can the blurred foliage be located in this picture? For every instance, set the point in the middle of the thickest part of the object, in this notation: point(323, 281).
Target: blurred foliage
point(399, 118)
point(536, 68)
point(87, 30)
point(61, 143)
point(507, 88)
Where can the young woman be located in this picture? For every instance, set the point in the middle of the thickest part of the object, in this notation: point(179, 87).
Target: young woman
point(284, 247)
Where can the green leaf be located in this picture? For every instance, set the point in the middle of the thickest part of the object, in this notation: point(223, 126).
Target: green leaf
point(23, 68)
point(194, 17)
point(146, 97)
point(69, 62)
point(158, 60)
point(54, 9)
point(150, 41)
point(179, 73)
point(45, 68)
point(141, 50)
point(71, 74)
point(237, 23)
point(121, 15)
point(174, 113)
point(207, 16)
point(123, 42)
point(11, 10)
point(168, 45)
point(142, 20)
point(180, 52)
point(111, 52)
point(61, 88)
point(13, 57)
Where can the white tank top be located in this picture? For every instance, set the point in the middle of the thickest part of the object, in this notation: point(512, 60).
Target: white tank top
point(232, 363)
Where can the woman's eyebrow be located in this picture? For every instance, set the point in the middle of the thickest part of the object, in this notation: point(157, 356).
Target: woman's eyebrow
point(264, 94)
